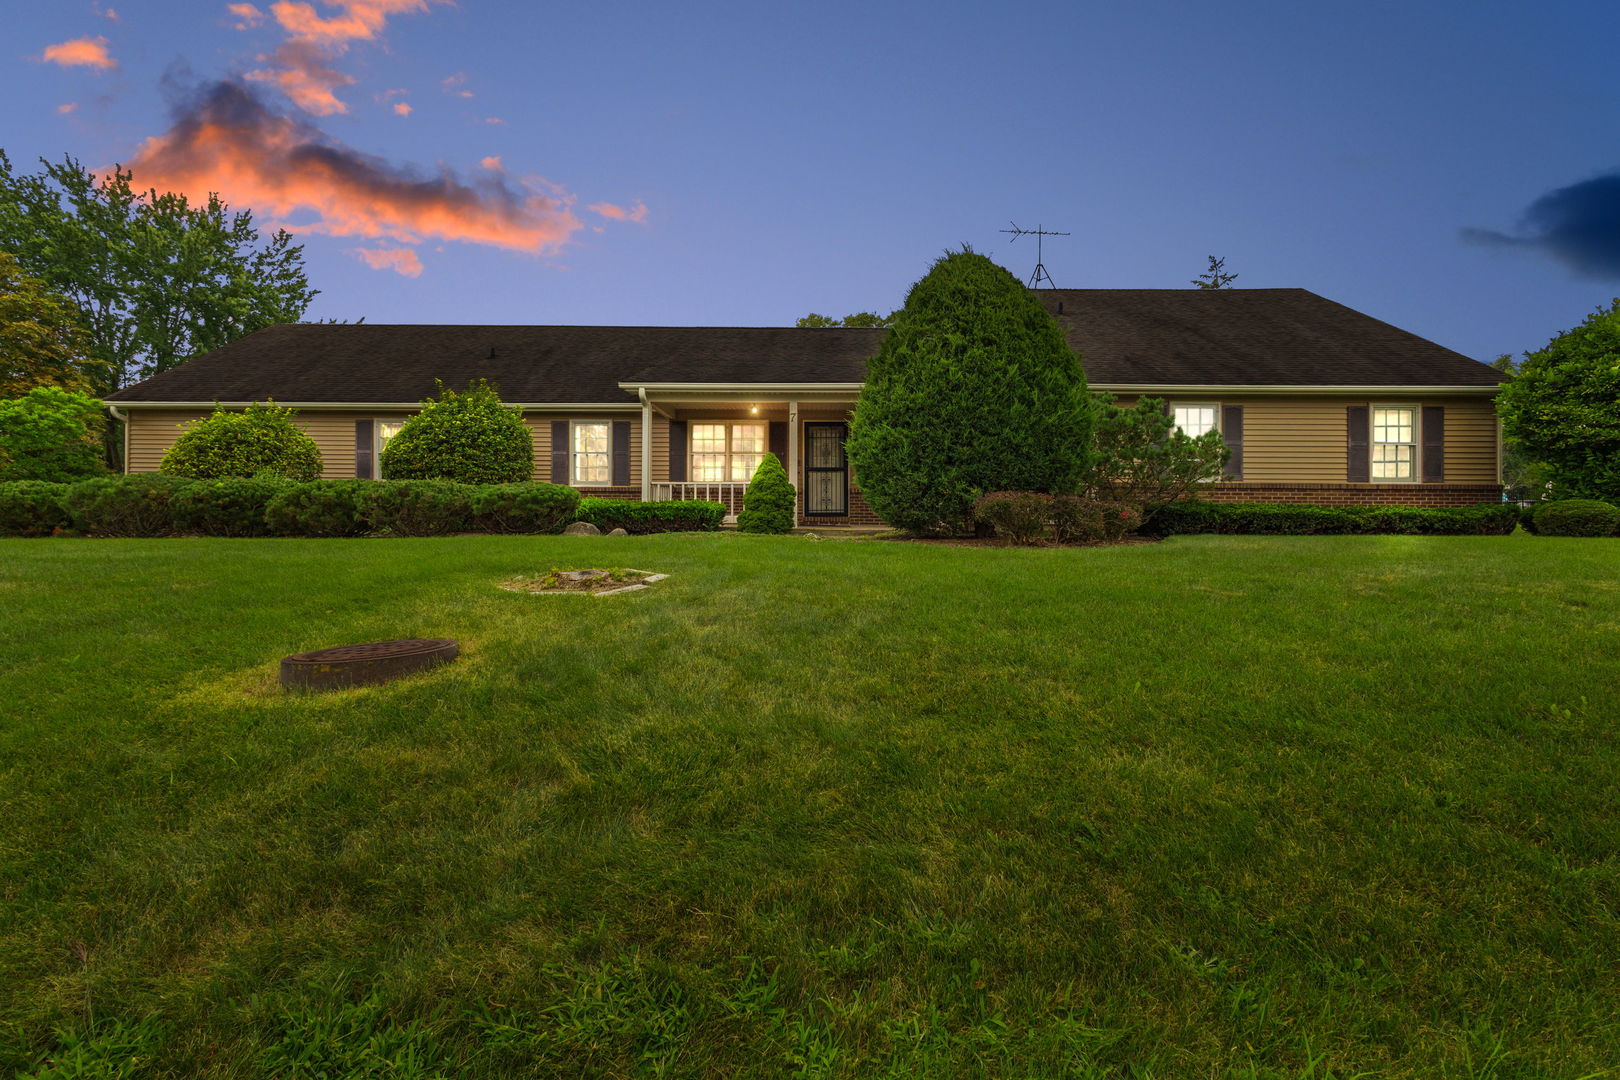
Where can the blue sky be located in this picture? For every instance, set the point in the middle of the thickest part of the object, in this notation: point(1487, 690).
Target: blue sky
point(818, 158)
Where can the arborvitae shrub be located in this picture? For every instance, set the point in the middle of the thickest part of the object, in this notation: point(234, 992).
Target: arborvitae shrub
point(1019, 517)
point(227, 507)
point(526, 507)
point(242, 444)
point(323, 508)
point(32, 508)
point(974, 389)
point(676, 515)
point(470, 438)
point(770, 503)
point(417, 507)
point(140, 504)
point(1577, 517)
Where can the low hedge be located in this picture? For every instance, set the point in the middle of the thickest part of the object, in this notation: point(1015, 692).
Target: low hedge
point(320, 508)
point(417, 507)
point(677, 515)
point(233, 507)
point(33, 508)
point(1294, 519)
point(141, 504)
point(1575, 517)
point(527, 507)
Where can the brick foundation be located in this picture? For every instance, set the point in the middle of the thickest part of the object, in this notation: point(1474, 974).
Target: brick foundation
point(610, 493)
point(1356, 494)
point(859, 513)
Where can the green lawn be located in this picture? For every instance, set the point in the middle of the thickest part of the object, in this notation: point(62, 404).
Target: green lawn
point(1246, 807)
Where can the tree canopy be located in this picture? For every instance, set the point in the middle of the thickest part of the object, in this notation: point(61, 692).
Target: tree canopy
point(51, 434)
point(1562, 407)
point(974, 389)
point(156, 278)
point(1216, 276)
point(814, 321)
point(42, 337)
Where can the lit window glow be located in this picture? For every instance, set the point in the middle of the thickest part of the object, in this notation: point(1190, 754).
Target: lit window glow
point(1394, 444)
point(592, 462)
point(726, 452)
point(1195, 420)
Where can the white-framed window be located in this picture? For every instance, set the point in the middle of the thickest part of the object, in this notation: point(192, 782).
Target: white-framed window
point(382, 431)
point(591, 459)
point(1196, 418)
point(1394, 442)
point(727, 452)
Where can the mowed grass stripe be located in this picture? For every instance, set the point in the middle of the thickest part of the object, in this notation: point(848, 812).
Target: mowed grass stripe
point(1219, 806)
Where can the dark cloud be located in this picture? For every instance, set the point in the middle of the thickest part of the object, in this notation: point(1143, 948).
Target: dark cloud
point(1578, 225)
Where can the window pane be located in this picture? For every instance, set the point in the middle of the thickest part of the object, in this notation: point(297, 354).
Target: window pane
point(709, 468)
point(590, 438)
point(1194, 420)
point(748, 438)
point(591, 469)
point(743, 466)
point(708, 438)
point(1393, 425)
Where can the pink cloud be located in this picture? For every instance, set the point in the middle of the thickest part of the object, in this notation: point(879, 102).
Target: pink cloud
point(357, 20)
point(67, 107)
point(619, 213)
point(80, 52)
point(492, 163)
point(456, 84)
point(305, 73)
point(305, 78)
point(493, 120)
point(402, 261)
point(402, 108)
point(110, 14)
point(229, 142)
point(249, 15)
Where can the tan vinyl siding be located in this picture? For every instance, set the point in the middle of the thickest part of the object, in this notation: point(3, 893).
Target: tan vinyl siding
point(1470, 442)
point(540, 429)
point(152, 433)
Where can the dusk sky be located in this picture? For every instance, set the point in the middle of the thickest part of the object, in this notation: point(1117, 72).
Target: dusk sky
point(742, 164)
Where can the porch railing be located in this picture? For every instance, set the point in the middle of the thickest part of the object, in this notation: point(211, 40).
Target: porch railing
point(728, 494)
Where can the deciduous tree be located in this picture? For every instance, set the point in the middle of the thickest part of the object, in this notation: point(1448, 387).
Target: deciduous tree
point(42, 340)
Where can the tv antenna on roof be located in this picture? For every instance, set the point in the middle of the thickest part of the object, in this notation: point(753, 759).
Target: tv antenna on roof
point(1040, 233)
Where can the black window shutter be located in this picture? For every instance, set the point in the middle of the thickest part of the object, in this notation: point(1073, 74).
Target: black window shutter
point(621, 452)
point(778, 442)
point(677, 451)
point(559, 451)
point(1434, 444)
point(1232, 432)
point(1358, 424)
point(364, 442)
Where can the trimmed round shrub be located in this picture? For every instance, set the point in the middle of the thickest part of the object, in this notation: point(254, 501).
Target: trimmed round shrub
point(770, 504)
point(321, 508)
point(528, 507)
point(140, 504)
point(676, 515)
point(1577, 517)
point(257, 440)
point(470, 438)
point(32, 508)
point(1019, 517)
point(416, 507)
point(1078, 520)
point(226, 507)
point(974, 389)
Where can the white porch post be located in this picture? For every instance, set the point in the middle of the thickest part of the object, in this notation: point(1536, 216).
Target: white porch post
point(793, 455)
point(646, 446)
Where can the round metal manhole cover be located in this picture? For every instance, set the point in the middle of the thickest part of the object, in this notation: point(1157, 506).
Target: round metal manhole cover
point(362, 665)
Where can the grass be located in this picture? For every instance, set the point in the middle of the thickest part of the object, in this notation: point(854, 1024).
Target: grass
point(1217, 807)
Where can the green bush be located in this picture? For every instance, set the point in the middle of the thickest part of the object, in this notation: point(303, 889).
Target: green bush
point(140, 504)
point(677, 515)
point(1527, 517)
point(417, 507)
point(1019, 517)
point(53, 435)
point(770, 505)
point(526, 507)
point(1577, 517)
point(470, 438)
point(973, 389)
point(1296, 519)
point(1079, 520)
point(32, 508)
point(233, 507)
point(321, 508)
point(242, 444)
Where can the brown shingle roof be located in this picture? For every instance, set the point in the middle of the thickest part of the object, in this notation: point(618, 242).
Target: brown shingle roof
point(1276, 337)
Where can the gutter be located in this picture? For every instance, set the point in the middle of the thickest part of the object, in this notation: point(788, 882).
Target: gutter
point(378, 406)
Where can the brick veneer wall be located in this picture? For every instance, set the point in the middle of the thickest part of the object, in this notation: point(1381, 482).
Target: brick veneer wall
point(1357, 494)
point(859, 513)
point(610, 493)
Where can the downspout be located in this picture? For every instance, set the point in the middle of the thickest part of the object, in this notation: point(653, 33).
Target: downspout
point(122, 419)
point(646, 444)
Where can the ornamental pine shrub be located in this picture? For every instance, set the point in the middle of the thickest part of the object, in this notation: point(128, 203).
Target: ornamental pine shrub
point(770, 504)
point(416, 507)
point(676, 515)
point(469, 438)
point(321, 508)
point(252, 442)
point(234, 507)
point(32, 508)
point(526, 507)
point(1577, 517)
point(973, 390)
point(1018, 517)
point(140, 504)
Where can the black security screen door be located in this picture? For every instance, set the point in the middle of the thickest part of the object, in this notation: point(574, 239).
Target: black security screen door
point(826, 470)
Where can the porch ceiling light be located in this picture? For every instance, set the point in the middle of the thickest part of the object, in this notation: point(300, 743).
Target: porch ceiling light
point(754, 409)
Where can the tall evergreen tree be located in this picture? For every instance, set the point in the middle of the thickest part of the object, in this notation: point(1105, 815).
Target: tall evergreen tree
point(973, 390)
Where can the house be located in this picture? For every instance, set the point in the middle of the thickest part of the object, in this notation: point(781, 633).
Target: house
point(1318, 402)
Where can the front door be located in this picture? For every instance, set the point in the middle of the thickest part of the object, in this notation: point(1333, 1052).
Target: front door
point(826, 469)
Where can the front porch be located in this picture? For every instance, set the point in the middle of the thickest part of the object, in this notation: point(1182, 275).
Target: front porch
point(704, 442)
